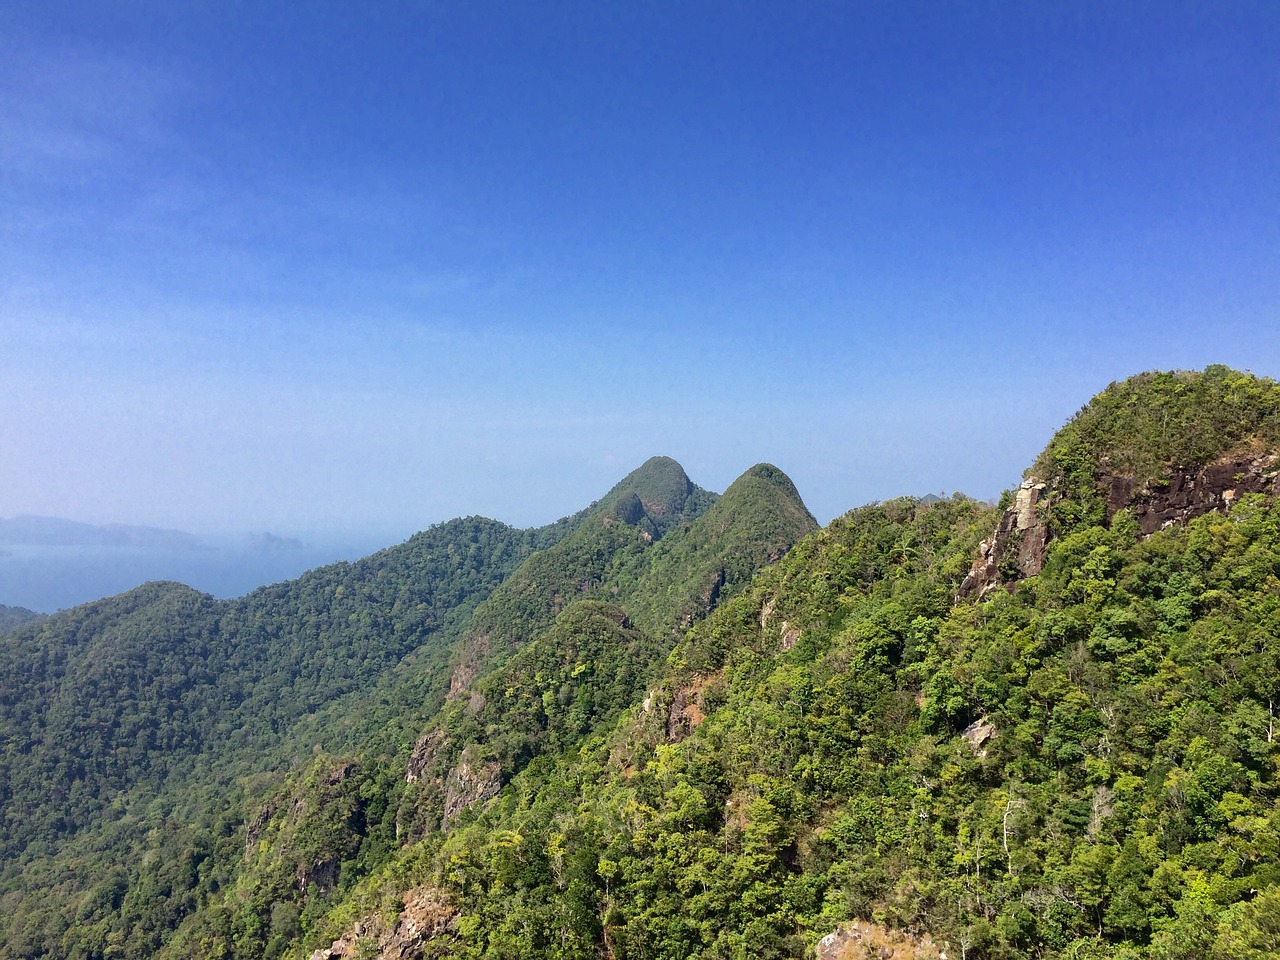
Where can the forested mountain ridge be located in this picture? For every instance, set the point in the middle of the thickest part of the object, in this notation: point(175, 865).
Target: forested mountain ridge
point(110, 707)
point(604, 541)
point(13, 617)
point(595, 657)
point(1083, 765)
point(676, 726)
point(141, 732)
point(551, 655)
point(1165, 447)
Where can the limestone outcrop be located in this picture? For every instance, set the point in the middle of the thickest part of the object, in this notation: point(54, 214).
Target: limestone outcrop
point(1016, 550)
point(472, 781)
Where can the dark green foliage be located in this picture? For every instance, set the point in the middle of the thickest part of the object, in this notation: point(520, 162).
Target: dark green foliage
point(753, 523)
point(585, 669)
point(610, 543)
point(95, 699)
point(135, 714)
point(530, 599)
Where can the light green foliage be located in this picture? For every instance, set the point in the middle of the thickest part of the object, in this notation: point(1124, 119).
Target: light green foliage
point(1122, 801)
point(701, 755)
point(1142, 427)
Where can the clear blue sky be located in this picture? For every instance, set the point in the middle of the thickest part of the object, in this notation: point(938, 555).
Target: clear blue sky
point(322, 266)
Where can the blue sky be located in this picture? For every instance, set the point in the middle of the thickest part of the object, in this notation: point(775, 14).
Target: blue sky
point(361, 267)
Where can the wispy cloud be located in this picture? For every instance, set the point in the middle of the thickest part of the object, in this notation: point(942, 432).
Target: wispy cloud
point(65, 106)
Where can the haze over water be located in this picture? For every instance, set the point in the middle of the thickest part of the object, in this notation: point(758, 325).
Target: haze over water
point(50, 578)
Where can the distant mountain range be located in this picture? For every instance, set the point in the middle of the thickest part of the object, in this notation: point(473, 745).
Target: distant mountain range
point(59, 532)
point(13, 617)
point(51, 563)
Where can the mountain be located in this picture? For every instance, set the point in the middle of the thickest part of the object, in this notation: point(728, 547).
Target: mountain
point(1163, 447)
point(569, 640)
point(13, 617)
point(59, 532)
point(117, 710)
point(682, 725)
point(593, 654)
point(655, 497)
point(143, 730)
point(853, 757)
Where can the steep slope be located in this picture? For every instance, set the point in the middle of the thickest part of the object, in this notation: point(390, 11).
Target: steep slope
point(115, 713)
point(606, 539)
point(1085, 767)
point(149, 736)
point(1165, 447)
point(496, 724)
point(646, 817)
point(559, 656)
point(752, 525)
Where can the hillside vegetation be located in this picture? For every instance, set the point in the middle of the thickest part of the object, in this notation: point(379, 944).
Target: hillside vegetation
point(680, 726)
point(13, 617)
point(149, 736)
point(1081, 767)
point(1152, 424)
point(118, 714)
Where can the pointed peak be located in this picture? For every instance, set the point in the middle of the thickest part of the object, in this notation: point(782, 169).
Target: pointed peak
point(655, 496)
point(660, 483)
point(770, 475)
point(765, 482)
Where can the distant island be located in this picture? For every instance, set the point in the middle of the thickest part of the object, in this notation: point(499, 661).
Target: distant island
point(31, 531)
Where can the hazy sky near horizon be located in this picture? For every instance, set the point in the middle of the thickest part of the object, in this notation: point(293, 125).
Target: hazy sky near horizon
point(362, 267)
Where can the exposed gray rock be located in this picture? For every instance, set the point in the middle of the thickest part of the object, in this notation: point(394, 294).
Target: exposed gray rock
point(472, 781)
point(424, 753)
point(428, 914)
point(1016, 550)
point(977, 734)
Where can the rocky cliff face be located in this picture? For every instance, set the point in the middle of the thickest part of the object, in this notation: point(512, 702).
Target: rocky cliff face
point(1017, 548)
point(473, 779)
point(428, 914)
point(860, 939)
point(688, 706)
point(1189, 494)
